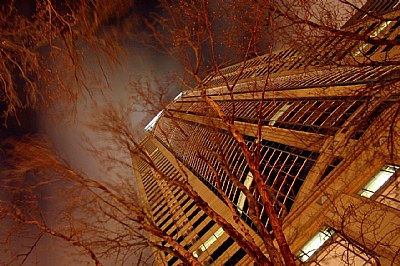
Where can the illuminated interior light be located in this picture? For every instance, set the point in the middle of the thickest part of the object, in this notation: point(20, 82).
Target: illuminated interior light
point(178, 96)
point(373, 35)
point(314, 244)
point(279, 114)
point(378, 181)
point(217, 234)
point(242, 197)
point(153, 122)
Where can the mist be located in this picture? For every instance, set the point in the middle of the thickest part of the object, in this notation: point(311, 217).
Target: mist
point(68, 127)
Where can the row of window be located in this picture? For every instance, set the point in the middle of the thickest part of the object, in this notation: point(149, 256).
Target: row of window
point(165, 211)
point(173, 197)
point(329, 77)
point(173, 201)
point(335, 76)
point(317, 116)
point(256, 67)
point(328, 51)
point(376, 8)
point(281, 160)
point(322, 116)
point(284, 167)
point(327, 247)
point(388, 194)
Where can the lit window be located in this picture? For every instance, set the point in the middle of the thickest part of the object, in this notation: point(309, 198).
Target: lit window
point(380, 29)
point(208, 242)
point(242, 197)
point(330, 248)
point(315, 244)
point(378, 181)
point(279, 114)
point(373, 35)
point(153, 122)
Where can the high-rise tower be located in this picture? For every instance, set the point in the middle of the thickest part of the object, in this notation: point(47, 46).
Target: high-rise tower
point(329, 151)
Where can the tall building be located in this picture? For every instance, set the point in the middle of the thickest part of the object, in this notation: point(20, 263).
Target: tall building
point(329, 151)
point(177, 214)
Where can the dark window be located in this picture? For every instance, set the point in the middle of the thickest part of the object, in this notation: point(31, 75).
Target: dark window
point(172, 261)
point(193, 214)
point(184, 202)
point(180, 197)
point(330, 168)
point(221, 249)
point(206, 228)
point(180, 239)
point(390, 47)
point(201, 219)
point(368, 119)
point(166, 219)
point(372, 49)
point(161, 215)
point(169, 226)
point(173, 233)
point(189, 207)
point(395, 26)
point(371, 27)
point(236, 257)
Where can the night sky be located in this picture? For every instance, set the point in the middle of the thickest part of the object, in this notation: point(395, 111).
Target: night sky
point(28, 119)
point(66, 129)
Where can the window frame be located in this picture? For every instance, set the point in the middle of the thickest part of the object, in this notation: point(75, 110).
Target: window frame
point(374, 181)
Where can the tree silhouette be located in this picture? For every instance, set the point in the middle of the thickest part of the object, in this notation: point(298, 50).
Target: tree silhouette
point(293, 118)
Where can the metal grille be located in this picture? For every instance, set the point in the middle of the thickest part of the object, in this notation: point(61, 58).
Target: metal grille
point(324, 116)
point(285, 168)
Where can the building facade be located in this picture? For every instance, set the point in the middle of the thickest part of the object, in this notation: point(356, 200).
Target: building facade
point(177, 214)
point(329, 151)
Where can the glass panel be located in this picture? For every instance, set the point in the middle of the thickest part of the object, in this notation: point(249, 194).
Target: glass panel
point(314, 244)
point(153, 122)
point(208, 242)
point(378, 181)
point(328, 248)
point(242, 197)
point(342, 252)
point(391, 195)
point(279, 114)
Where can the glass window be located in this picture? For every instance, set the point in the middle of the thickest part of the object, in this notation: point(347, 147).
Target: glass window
point(242, 197)
point(373, 35)
point(279, 114)
point(314, 244)
point(208, 242)
point(149, 127)
point(329, 248)
point(378, 181)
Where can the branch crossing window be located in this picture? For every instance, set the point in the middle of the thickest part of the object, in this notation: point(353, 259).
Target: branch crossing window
point(314, 244)
point(388, 195)
point(279, 114)
point(373, 35)
point(208, 242)
point(330, 248)
point(242, 197)
point(378, 181)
